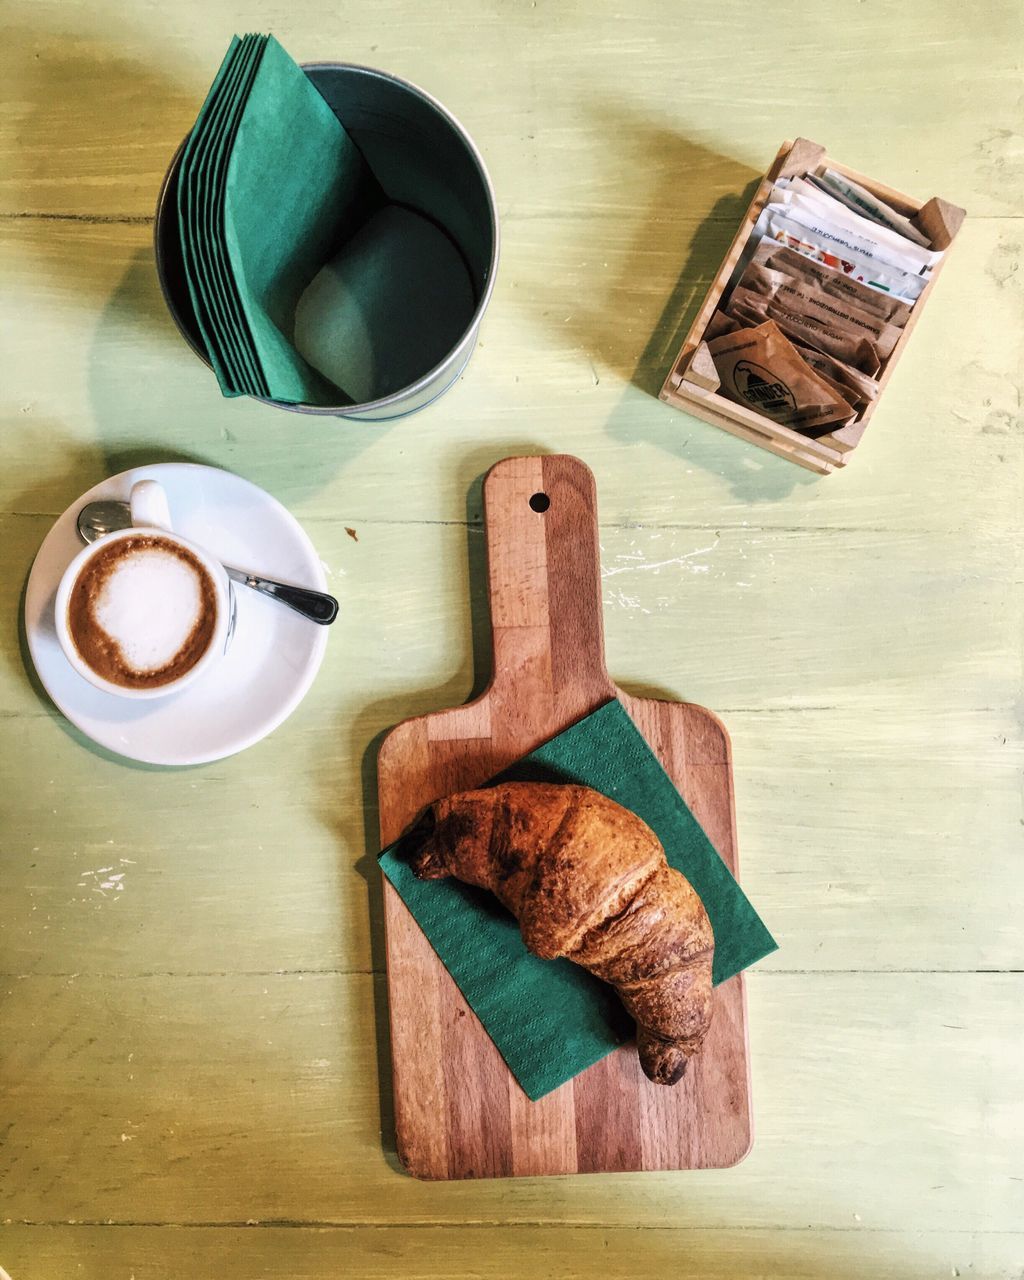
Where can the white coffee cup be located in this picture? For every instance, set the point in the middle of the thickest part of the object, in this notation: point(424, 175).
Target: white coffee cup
point(150, 515)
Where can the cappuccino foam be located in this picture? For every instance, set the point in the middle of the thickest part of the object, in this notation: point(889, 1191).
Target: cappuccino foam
point(142, 612)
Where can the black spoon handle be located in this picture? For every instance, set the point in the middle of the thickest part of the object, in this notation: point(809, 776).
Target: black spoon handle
point(316, 605)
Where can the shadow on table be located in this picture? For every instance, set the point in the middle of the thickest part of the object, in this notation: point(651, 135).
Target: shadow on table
point(90, 113)
point(695, 199)
point(172, 392)
point(88, 108)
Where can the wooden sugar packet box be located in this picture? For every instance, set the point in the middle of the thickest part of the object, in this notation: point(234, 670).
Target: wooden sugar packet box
point(692, 383)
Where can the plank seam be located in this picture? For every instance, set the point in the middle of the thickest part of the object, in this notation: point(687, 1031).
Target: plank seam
point(42, 713)
point(381, 973)
point(90, 219)
point(322, 1224)
point(632, 526)
point(507, 216)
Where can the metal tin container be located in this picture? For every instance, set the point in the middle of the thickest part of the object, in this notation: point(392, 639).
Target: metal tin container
point(426, 162)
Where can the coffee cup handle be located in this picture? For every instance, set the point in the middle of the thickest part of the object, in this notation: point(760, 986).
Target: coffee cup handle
point(148, 503)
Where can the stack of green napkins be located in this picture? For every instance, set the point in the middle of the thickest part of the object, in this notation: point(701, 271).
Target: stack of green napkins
point(270, 185)
point(550, 1019)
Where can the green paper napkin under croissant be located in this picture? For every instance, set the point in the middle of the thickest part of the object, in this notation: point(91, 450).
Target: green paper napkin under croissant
point(270, 186)
point(550, 1019)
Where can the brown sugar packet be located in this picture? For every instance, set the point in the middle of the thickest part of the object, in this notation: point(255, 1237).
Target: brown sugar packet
point(851, 382)
point(833, 336)
point(770, 253)
point(761, 369)
point(807, 297)
point(805, 332)
point(719, 324)
point(856, 401)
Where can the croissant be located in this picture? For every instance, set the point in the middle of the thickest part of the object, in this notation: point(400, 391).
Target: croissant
point(587, 880)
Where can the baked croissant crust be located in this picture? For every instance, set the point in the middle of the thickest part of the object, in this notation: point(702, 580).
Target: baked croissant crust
point(587, 880)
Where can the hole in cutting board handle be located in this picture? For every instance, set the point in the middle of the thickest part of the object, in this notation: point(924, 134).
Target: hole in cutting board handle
point(540, 502)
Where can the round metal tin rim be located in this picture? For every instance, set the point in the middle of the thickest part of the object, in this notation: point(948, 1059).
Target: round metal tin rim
point(359, 412)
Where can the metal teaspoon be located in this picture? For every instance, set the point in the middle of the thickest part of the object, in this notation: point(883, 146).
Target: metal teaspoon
point(97, 518)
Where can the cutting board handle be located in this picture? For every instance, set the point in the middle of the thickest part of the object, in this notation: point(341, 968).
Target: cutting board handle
point(544, 572)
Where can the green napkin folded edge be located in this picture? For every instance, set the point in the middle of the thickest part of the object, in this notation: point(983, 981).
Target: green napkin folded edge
point(206, 302)
point(296, 188)
point(549, 1019)
point(200, 197)
point(270, 185)
point(235, 330)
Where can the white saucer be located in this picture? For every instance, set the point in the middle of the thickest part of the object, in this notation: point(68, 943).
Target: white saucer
point(274, 655)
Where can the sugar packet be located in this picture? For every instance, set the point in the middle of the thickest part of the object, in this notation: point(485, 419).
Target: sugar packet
point(814, 190)
point(821, 213)
point(826, 247)
point(869, 205)
point(761, 369)
point(833, 336)
point(803, 193)
point(808, 298)
point(719, 324)
point(853, 385)
point(770, 253)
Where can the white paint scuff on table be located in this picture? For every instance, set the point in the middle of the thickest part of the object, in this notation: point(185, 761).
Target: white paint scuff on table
point(635, 561)
point(106, 880)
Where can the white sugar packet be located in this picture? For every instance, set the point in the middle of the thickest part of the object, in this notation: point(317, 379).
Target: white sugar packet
point(859, 219)
point(830, 247)
point(809, 206)
point(871, 206)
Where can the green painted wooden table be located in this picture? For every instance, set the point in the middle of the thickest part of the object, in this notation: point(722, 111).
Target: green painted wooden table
point(195, 1075)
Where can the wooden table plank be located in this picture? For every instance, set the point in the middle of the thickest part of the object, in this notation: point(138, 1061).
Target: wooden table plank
point(829, 853)
point(596, 108)
point(881, 1098)
point(494, 1253)
point(736, 619)
point(840, 775)
point(98, 378)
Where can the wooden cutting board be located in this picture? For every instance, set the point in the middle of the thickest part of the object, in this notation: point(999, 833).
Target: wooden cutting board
point(459, 1113)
